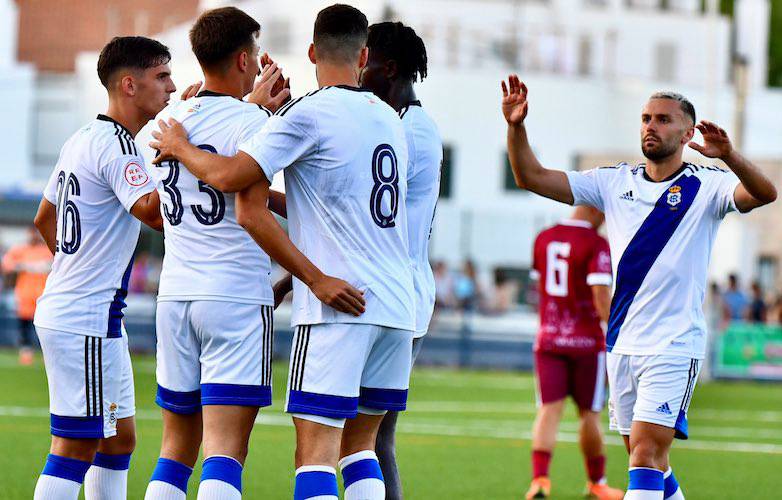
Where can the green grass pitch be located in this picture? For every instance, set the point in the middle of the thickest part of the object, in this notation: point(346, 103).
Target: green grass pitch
point(465, 436)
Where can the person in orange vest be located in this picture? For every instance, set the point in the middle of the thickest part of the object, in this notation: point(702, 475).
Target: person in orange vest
point(29, 263)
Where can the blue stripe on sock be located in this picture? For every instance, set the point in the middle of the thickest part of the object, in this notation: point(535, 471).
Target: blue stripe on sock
point(646, 479)
point(66, 468)
point(368, 468)
point(224, 469)
point(113, 462)
point(671, 485)
point(172, 472)
point(313, 484)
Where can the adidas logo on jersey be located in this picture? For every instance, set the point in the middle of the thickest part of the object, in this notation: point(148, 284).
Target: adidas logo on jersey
point(665, 409)
point(627, 196)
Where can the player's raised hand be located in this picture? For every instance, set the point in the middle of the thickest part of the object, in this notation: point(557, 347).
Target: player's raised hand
point(191, 90)
point(263, 91)
point(170, 136)
point(281, 83)
point(716, 143)
point(339, 294)
point(514, 100)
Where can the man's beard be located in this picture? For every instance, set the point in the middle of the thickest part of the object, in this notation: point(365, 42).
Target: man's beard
point(659, 151)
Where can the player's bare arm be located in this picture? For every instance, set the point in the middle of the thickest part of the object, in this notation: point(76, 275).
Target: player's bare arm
point(229, 174)
point(147, 210)
point(755, 189)
point(277, 203)
point(46, 223)
point(601, 298)
point(527, 170)
point(254, 216)
point(282, 288)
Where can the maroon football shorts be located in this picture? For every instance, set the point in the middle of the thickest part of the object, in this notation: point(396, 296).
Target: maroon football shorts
point(582, 376)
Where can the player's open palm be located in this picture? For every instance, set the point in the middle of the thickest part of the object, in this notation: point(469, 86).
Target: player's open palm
point(168, 138)
point(339, 294)
point(263, 91)
point(514, 100)
point(716, 143)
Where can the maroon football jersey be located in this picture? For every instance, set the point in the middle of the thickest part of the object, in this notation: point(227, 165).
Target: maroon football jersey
point(568, 259)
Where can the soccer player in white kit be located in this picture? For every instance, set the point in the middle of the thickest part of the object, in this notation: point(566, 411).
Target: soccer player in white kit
point(397, 58)
point(89, 217)
point(662, 217)
point(215, 301)
point(345, 158)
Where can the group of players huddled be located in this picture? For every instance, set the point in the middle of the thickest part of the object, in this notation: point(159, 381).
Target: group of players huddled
point(362, 170)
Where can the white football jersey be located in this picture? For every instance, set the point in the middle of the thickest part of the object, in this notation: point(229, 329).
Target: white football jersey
point(425, 157)
point(208, 255)
point(661, 235)
point(98, 178)
point(345, 160)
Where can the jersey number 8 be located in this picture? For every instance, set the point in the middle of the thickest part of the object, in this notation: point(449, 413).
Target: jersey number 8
point(384, 184)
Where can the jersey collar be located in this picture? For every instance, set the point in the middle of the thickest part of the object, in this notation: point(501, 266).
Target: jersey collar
point(414, 103)
point(105, 118)
point(669, 178)
point(350, 87)
point(210, 93)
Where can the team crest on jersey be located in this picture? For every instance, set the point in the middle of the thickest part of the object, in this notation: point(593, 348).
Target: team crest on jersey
point(135, 175)
point(194, 108)
point(674, 195)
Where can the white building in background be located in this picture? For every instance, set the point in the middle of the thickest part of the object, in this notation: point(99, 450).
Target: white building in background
point(589, 65)
point(17, 91)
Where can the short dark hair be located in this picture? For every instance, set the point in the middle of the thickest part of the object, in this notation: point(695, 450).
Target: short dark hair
point(684, 103)
point(397, 42)
point(219, 33)
point(340, 32)
point(130, 52)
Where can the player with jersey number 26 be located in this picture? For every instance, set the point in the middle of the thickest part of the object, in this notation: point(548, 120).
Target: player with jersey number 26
point(662, 217)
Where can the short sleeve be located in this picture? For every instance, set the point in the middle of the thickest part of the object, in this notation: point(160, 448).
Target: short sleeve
point(252, 123)
point(128, 178)
point(586, 188)
point(724, 196)
point(599, 267)
point(283, 140)
point(50, 191)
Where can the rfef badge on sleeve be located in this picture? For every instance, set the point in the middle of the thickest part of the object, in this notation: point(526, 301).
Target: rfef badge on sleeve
point(674, 196)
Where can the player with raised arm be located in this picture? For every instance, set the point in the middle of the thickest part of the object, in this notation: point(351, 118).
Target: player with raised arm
point(397, 58)
point(89, 216)
point(345, 158)
point(214, 312)
point(572, 263)
point(662, 217)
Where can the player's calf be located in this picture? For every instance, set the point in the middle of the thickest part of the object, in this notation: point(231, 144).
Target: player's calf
point(107, 479)
point(178, 455)
point(359, 465)
point(317, 450)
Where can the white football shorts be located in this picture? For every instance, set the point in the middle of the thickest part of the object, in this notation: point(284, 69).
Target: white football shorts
point(339, 369)
point(213, 353)
point(90, 383)
point(655, 389)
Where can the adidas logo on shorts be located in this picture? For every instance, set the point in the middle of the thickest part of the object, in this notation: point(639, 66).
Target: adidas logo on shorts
point(664, 408)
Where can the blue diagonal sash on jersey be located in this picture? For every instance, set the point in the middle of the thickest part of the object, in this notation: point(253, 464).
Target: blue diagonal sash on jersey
point(643, 250)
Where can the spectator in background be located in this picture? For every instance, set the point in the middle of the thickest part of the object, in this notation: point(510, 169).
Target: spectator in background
point(443, 284)
point(757, 307)
point(29, 264)
point(505, 293)
point(735, 302)
point(713, 308)
point(466, 288)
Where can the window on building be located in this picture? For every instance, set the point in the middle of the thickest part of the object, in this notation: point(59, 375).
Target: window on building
point(446, 171)
point(585, 55)
point(665, 61)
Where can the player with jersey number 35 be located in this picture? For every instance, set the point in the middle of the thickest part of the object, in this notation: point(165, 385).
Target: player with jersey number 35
point(662, 217)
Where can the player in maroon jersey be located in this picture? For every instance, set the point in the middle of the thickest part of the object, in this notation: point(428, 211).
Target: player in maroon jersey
point(573, 266)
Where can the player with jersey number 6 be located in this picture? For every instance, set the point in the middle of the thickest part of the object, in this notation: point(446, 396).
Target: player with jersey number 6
point(572, 263)
point(662, 217)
